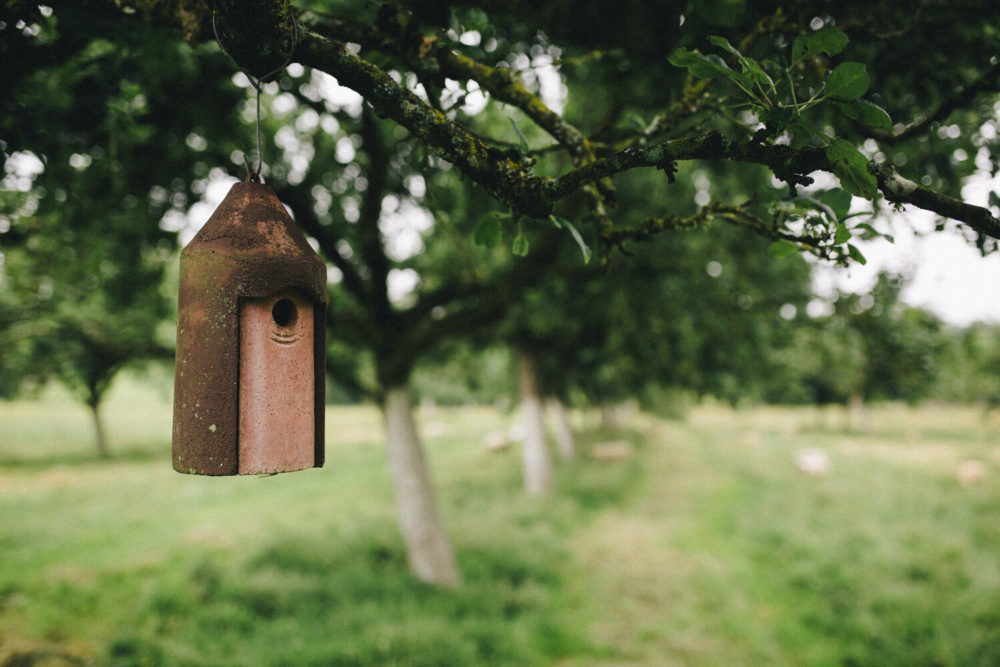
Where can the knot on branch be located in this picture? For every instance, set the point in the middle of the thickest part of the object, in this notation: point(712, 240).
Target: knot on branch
point(669, 167)
point(788, 164)
point(260, 37)
point(895, 188)
point(792, 178)
point(787, 167)
point(194, 18)
point(403, 28)
point(715, 143)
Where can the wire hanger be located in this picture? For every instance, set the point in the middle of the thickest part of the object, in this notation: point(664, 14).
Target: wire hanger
point(253, 176)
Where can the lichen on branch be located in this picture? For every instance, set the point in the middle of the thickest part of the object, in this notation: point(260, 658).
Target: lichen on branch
point(506, 178)
point(259, 38)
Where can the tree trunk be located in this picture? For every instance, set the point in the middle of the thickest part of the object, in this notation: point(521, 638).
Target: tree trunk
point(857, 413)
point(94, 403)
point(565, 441)
point(534, 452)
point(609, 417)
point(428, 550)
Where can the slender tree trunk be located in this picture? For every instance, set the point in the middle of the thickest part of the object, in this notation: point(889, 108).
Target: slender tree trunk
point(427, 546)
point(534, 451)
point(857, 413)
point(94, 403)
point(565, 441)
point(609, 418)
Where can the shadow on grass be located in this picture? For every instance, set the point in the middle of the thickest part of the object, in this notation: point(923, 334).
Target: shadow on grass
point(143, 454)
point(310, 601)
point(596, 480)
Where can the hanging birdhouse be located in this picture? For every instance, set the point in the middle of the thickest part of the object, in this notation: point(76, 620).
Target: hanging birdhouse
point(251, 328)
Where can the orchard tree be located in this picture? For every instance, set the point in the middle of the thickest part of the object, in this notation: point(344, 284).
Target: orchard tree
point(399, 294)
point(979, 350)
point(96, 150)
point(709, 310)
point(903, 346)
point(692, 313)
point(873, 347)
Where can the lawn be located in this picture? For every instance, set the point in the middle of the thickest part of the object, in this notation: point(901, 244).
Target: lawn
point(704, 546)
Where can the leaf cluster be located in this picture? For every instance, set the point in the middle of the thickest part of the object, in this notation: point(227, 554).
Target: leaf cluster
point(780, 94)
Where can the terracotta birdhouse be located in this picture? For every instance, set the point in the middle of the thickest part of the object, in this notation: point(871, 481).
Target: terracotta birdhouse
point(251, 328)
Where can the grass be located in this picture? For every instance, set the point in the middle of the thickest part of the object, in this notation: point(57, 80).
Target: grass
point(705, 547)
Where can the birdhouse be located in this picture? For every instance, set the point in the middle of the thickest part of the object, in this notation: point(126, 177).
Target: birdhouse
point(251, 327)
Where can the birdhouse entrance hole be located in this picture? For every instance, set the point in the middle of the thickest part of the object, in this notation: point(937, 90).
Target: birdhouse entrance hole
point(284, 312)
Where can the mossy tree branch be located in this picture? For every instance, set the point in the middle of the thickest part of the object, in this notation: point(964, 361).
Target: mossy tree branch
point(260, 39)
point(507, 179)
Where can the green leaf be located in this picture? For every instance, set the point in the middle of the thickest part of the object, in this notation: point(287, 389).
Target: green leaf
point(520, 245)
point(563, 223)
point(855, 254)
point(800, 47)
point(780, 249)
point(753, 69)
point(867, 231)
point(694, 62)
point(866, 113)
point(705, 67)
point(839, 201)
point(804, 205)
point(847, 82)
point(829, 40)
point(520, 135)
point(723, 43)
point(725, 70)
point(842, 235)
point(851, 167)
point(489, 230)
point(584, 248)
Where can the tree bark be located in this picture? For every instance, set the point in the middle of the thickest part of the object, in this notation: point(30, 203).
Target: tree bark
point(101, 441)
point(565, 441)
point(534, 452)
point(428, 549)
point(609, 416)
point(857, 413)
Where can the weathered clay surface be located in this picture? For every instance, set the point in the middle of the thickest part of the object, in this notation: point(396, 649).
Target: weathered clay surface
point(276, 384)
point(249, 248)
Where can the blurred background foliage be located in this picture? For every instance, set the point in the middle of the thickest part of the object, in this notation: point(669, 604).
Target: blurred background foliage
point(109, 146)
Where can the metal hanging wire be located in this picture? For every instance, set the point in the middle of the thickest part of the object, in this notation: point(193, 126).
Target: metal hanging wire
point(253, 176)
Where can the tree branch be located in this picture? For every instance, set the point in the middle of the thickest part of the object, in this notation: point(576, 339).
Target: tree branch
point(260, 40)
point(485, 303)
point(371, 242)
point(506, 179)
point(791, 165)
point(737, 216)
point(300, 200)
point(986, 83)
point(899, 190)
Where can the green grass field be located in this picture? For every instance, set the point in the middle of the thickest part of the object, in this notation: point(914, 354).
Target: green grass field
point(705, 547)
